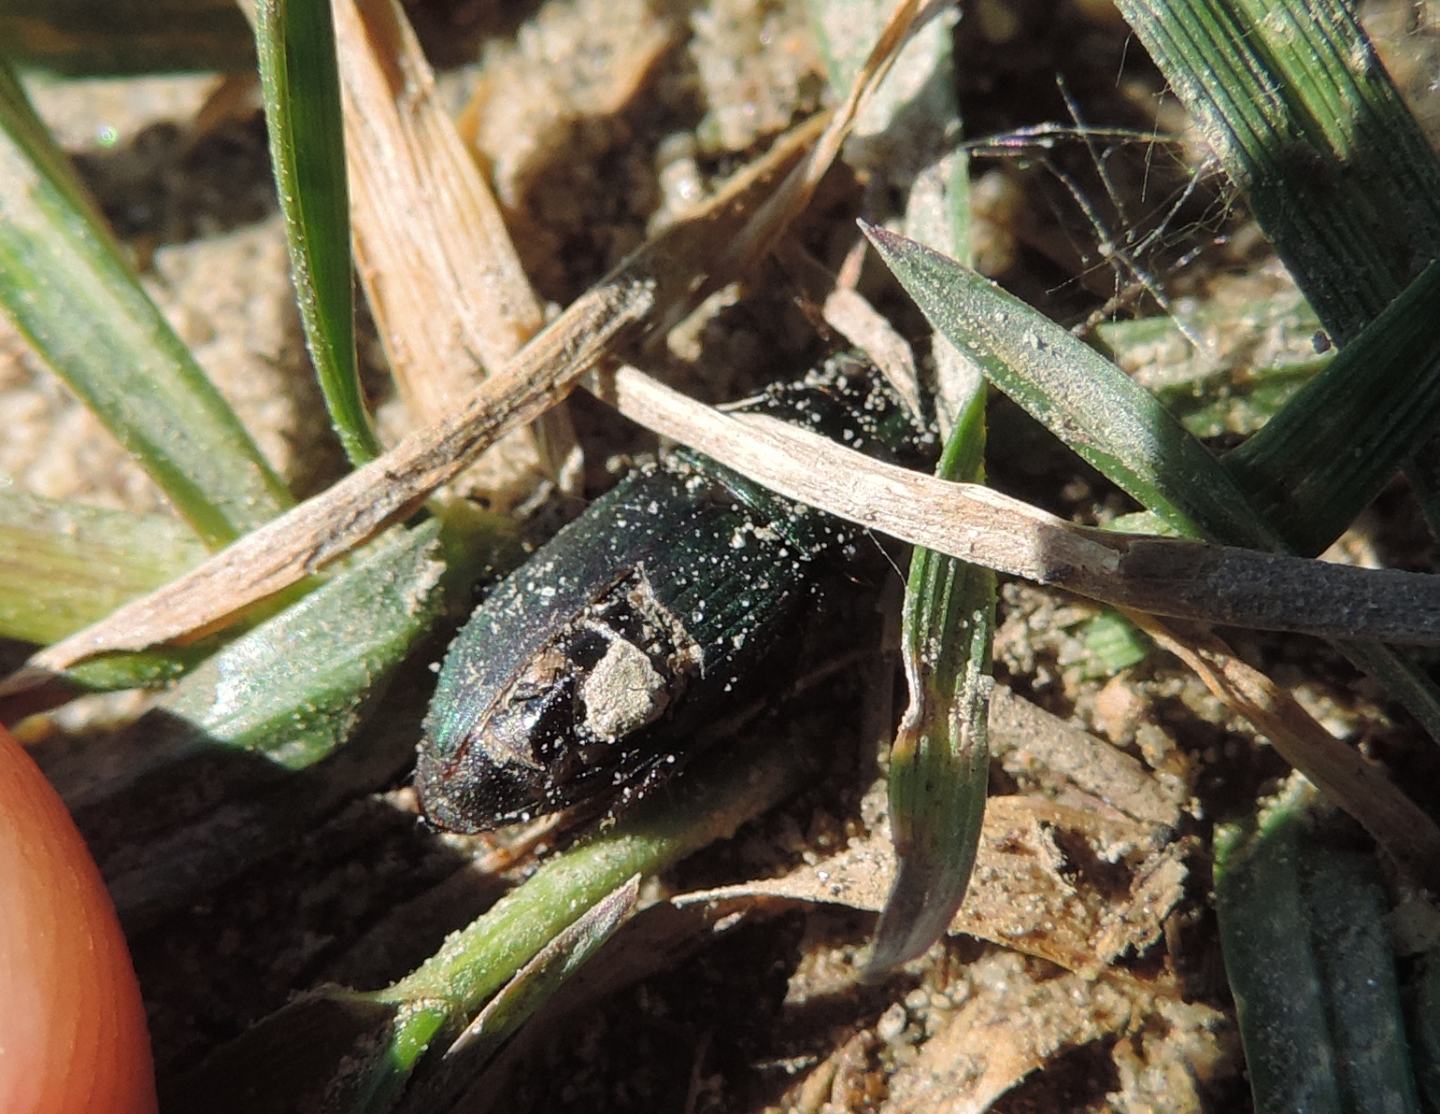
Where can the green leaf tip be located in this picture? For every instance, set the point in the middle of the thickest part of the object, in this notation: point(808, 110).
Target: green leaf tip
point(1101, 413)
point(300, 81)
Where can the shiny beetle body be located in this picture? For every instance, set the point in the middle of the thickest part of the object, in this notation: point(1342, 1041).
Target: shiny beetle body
point(591, 669)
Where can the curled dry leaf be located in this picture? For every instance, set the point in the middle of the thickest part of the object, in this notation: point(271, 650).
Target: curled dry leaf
point(1036, 885)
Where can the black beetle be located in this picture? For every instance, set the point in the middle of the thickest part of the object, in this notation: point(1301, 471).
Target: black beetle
point(592, 668)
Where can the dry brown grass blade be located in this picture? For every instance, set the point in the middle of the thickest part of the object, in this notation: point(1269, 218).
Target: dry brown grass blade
point(1168, 576)
point(1337, 770)
point(429, 233)
point(653, 287)
point(440, 272)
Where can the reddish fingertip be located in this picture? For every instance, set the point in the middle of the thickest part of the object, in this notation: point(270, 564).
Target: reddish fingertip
point(73, 1035)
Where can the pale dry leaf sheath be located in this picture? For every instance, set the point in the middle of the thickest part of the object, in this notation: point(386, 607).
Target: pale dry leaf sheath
point(1167, 576)
point(1339, 771)
point(424, 221)
point(428, 234)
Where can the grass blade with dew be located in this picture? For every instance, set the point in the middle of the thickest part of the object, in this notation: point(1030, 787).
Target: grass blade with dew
point(1304, 118)
point(1298, 107)
point(292, 688)
point(1112, 423)
point(300, 82)
point(69, 289)
point(1302, 925)
point(339, 1049)
point(86, 38)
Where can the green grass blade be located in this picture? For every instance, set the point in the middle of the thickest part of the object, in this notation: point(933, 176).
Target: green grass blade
point(539, 979)
point(1304, 118)
point(461, 1072)
point(294, 688)
point(65, 565)
point(301, 85)
point(940, 762)
point(206, 780)
point(233, 816)
point(1113, 423)
point(476, 962)
point(1291, 469)
point(1112, 644)
point(698, 810)
point(92, 37)
point(1239, 404)
point(69, 289)
point(1267, 353)
point(1308, 956)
